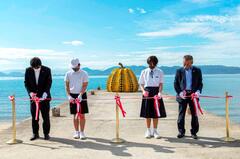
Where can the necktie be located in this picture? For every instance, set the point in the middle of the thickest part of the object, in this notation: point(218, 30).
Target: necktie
point(151, 73)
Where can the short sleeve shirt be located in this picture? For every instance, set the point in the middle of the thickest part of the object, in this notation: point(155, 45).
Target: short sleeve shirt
point(76, 80)
point(151, 77)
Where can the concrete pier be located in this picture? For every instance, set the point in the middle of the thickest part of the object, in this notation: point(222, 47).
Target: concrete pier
point(100, 129)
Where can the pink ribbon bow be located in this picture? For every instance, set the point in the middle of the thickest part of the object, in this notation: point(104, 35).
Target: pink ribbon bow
point(37, 103)
point(78, 103)
point(197, 107)
point(11, 98)
point(157, 105)
point(119, 103)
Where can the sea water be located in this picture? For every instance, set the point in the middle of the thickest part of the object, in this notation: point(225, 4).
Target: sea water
point(214, 85)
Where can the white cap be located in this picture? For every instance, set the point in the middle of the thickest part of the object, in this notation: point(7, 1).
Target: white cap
point(74, 63)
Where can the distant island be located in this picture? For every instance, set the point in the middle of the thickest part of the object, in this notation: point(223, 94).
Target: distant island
point(206, 69)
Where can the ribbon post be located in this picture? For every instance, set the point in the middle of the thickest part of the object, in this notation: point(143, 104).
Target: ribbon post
point(118, 140)
point(227, 138)
point(14, 131)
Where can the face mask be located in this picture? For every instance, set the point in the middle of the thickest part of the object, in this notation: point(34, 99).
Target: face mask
point(76, 69)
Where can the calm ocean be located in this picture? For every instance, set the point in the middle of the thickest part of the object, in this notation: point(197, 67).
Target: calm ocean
point(213, 85)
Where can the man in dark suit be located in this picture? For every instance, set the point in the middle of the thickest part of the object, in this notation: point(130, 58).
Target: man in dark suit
point(188, 80)
point(38, 81)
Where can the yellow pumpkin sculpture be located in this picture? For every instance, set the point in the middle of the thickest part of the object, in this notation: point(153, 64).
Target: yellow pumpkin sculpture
point(122, 80)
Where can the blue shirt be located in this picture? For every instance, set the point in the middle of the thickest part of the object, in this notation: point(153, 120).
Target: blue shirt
point(188, 74)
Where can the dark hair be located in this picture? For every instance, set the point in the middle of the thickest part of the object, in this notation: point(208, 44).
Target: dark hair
point(152, 59)
point(35, 62)
point(188, 58)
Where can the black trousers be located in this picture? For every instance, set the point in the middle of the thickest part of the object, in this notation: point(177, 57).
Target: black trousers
point(181, 116)
point(44, 111)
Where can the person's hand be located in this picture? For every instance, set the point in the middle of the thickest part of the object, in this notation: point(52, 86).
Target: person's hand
point(44, 96)
point(182, 94)
point(70, 98)
point(160, 95)
point(197, 94)
point(33, 95)
point(145, 93)
point(80, 97)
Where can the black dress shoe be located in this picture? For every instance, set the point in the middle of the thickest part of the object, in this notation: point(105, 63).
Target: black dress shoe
point(46, 137)
point(194, 136)
point(34, 137)
point(180, 135)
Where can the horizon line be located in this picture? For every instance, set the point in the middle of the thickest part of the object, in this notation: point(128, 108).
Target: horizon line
point(15, 70)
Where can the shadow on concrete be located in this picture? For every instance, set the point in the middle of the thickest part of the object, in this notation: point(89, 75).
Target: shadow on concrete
point(209, 142)
point(38, 145)
point(105, 145)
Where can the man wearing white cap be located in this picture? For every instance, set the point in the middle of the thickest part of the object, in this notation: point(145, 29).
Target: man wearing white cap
point(76, 81)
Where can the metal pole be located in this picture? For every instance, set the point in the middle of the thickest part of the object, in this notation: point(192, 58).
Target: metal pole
point(117, 122)
point(227, 138)
point(227, 116)
point(117, 139)
point(14, 140)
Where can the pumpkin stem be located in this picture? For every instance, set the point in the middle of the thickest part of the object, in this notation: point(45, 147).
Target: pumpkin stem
point(121, 65)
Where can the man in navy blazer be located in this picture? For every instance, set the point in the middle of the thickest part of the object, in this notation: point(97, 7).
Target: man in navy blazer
point(38, 82)
point(188, 80)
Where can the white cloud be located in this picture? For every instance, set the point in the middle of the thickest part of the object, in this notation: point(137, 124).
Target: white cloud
point(73, 43)
point(141, 10)
point(219, 34)
point(179, 29)
point(170, 47)
point(24, 53)
point(137, 10)
point(130, 10)
point(201, 1)
point(18, 58)
point(212, 18)
point(222, 47)
point(123, 55)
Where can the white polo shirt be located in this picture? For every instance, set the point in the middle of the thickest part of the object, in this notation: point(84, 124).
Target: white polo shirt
point(151, 77)
point(76, 80)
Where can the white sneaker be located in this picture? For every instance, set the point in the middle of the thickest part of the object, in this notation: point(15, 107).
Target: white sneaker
point(152, 132)
point(82, 136)
point(76, 135)
point(148, 134)
point(156, 134)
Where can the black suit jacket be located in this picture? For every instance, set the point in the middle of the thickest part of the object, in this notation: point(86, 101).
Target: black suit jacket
point(44, 81)
point(180, 80)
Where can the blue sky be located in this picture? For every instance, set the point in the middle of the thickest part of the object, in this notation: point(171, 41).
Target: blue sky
point(102, 33)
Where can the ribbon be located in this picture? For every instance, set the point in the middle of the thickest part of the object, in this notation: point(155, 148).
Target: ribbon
point(119, 103)
point(79, 114)
point(11, 98)
point(37, 101)
point(197, 107)
point(156, 105)
point(163, 96)
point(78, 104)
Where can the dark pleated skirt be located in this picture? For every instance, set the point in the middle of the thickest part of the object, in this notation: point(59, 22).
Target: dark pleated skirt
point(147, 108)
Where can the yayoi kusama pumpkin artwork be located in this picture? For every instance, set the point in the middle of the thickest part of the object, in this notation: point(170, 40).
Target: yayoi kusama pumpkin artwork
point(122, 80)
